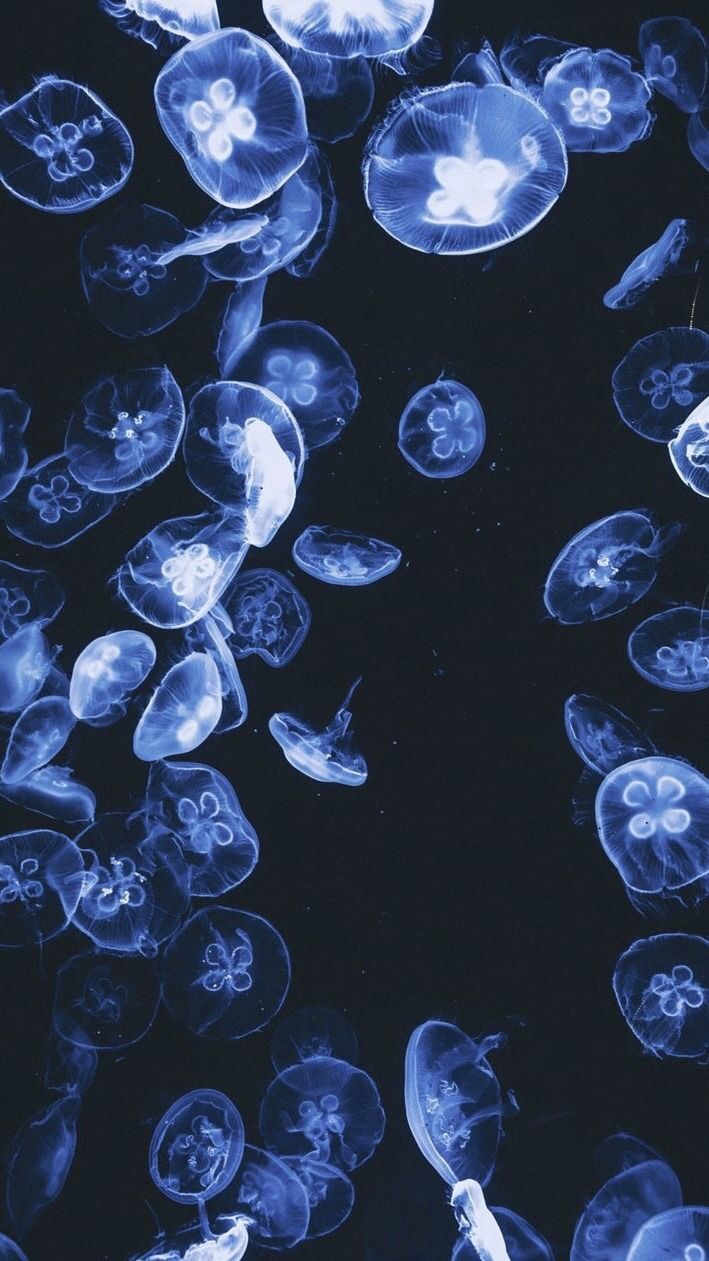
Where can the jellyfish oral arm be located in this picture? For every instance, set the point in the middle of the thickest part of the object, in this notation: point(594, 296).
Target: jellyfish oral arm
point(476, 1222)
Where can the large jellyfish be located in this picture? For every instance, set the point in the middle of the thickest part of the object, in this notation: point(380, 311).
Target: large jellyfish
point(344, 558)
point(311, 1033)
point(163, 22)
point(460, 169)
point(674, 54)
point(324, 1109)
point(607, 1226)
point(40, 884)
point(442, 430)
point(330, 1194)
point(183, 710)
point(196, 1147)
point(14, 418)
point(54, 792)
point(41, 1155)
point(689, 450)
point(349, 28)
point(597, 100)
point(106, 671)
point(326, 755)
point(25, 663)
point(105, 1002)
point(680, 1232)
point(338, 91)
point(603, 736)
point(62, 149)
point(671, 649)
point(662, 987)
point(269, 616)
point(661, 380)
point(27, 595)
point(269, 1197)
point(40, 731)
point(678, 252)
point(49, 508)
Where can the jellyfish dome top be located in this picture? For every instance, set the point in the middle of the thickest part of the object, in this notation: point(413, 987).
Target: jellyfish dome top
point(621, 1151)
point(105, 1002)
point(461, 169)
point(661, 380)
point(597, 100)
point(662, 987)
point(269, 615)
point(40, 882)
point(681, 1232)
point(269, 1197)
point(62, 149)
point(27, 595)
point(183, 710)
point(526, 59)
point(326, 755)
point(601, 735)
point(689, 450)
point(652, 817)
point(311, 1033)
point(344, 558)
point(608, 1225)
point(39, 1160)
point(671, 649)
point(235, 113)
point(323, 1109)
point(442, 430)
point(349, 28)
point(522, 1241)
point(106, 671)
point(674, 54)
point(49, 508)
point(677, 252)
point(330, 1194)
point(196, 1147)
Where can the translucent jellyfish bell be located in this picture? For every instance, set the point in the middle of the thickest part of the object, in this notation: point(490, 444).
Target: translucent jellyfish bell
point(344, 558)
point(242, 316)
point(619, 1152)
point(25, 662)
point(442, 430)
point(597, 100)
point(183, 710)
point(481, 67)
point(105, 673)
point(269, 616)
point(338, 91)
point(330, 1194)
point(40, 1158)
point(526, 59)
point(674, 54)
point(311, 1033)
point(523, 1242)
point(9, 1250)
point(200, 1243)
point(209, 635)
point(601, 735)
point(671, 649)
point(196, 1147)
point(53, 791)
point(607, 1226)
point(49, 508)
point(40, 731)
point(682, 246)
point(326, 755)
point(14, 418)
point(349, 28)
point(105, 1002)
point(269, 1196)
point(689, 450)
point(160, 22)
point(324, 1109)
point(27, 595)
point(662, 987)
point(661, 380)
point(680, 1232)
point(40, 882)
point(460, 169)
point(309, 259)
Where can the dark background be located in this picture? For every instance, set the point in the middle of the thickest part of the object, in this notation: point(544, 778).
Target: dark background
point(454, 884)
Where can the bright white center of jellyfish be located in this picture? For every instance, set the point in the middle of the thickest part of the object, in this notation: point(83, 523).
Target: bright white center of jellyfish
point(270, 482)
point(341, 15)
point(474, 188)
point(221, 120)
point(590, 108)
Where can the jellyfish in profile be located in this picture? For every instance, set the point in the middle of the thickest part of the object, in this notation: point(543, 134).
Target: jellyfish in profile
point(461, 169)
point(606, 567)
point(40, 883)
point(597, 100)
point(40, 1158)
point(269, 1197)
point(324, 1109)
point(196, 1147)
point(242, 316)
point(235, 113)
point(661, 380)
point(344, 558)
point(662, 987)
point(40, 732)
point(105, 1002)
point(183, 710)
point(671, 649)
point(355, 28)
point(621, 1151)
point(678, 252)
point(674, 55)
point(53, 791)
point(603, 736)
point(62, 149)
point(326, 755)
point(698, 137)
point(680, 1232)
point(442, 430)
point(209, 635)
point(14, 418)
point(312, 1033)
point(225, 973)
point(308, 260)
point(689, 450)
point(25, 663)
point(338, 91)
point(270, 618)
point(49, 508)
point(106, 671)
point(163, 22)
point(27, 595)
point(607, 1226)
point(330, 1194)
point(526, 59)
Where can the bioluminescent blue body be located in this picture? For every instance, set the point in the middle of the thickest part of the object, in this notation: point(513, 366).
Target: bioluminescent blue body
point(338, 91)
point(69, 1069)
point(442, 430)
point(698, 137)
point(597, 100)
point(200, 807)
point(209, 635)
point(621, 1151)
point(652, 817)
point(196, 1147)
point(671, 649)
point(268, 1194)
point(62, 149)
point(330, 1194)
point(126, 285)
point(269, 616)
point(603, 736)
point(680, 1232)
point(163, 22)
point(480, 1231)
point(49, 508)
point(242, 316)
point(344, 558)
point(183, 710)
point(325, 755)
point(126, 430)
point(14, 418)
point(9, 1250)
point(523, 1242)
point(674, 55)
point(106, 671)
point(607, 1226)
point(349, 28)
point(689, 450)
point(25, 663)
point(40, 883)
point(678, 252)
point(135, 887)
point(105, 1002)
point(226, 973)
point(480, 68)
point(193, 1244)
point(325, 1109)
point(662, 987)
point(661, 380)
point(312, 1033)
point(41, 1155)
point(460, 169)
point(27, 595)
point(54, 792)
point(40, 731)
point(306, 263)
point(606, 567)
point(526, 59)
point(235, 113)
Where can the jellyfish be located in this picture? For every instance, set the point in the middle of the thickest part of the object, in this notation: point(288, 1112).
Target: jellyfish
point(689, 450)
point(196, 1147)
point(678, 252)
point(324, 1109)
point(330, 1194)
point(40, 731)
point(40, 882)
point(597, 100)
point(200, 807)
point(135, 887)
point(269, 1197)
point(27, 595)
point(698, 136)
point(308, 260)
point(619, 1152)
point(674, 55)
point(105, 1002)
point(208, 635)
point(126, 286)
point(309, 371)
point(41, 1155)
point(606, 567)
point(14, 418)
point(522, 1241)
point(344, 558)
point(338, 91)
point(201, 1244)
point(680, 1232)
point(242, 317)
point(671, 649)
point(461, 169)
point(526, 60)
point(442, 430)
point(182, 711)
point(313, 1032)
point(661, 380)
point(53, 791)
point(49, 508)
point(270, 618)
point(662, 987)
point(163, 22)
point(607, 1226)
point(106, 671)
point(603, 736)
point(235, 113)
point(25, 663)
point(225, 973)
point(62, 149)
point(349, 28)
point(482, 1239)
point(327, 755)
point(9, 1250)
point(69, 1069)
point(652, 817)
point(480, 68)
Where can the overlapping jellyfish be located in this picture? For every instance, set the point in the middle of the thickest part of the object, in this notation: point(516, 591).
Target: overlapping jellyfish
point(689, 450)
point(54, 792)
point(526, 59)
point(597, 100)
point(14, 418)
point(661, 380)
point(183, 710)
point(40, 885)
point(268, 1200)
point(671, 649)
point(442, 430)
point(338, 91)
point(603, 736)
point(662, 987)
point(680, 1232)
point(349, 28)
point(270, 618)
point(38, 734)
point(674, 56)
point(242, 316)
point(27, 595)
point(327, 755)
point(609, 1223)
point(210, 635)
point(25, 663)
point(323, 1109)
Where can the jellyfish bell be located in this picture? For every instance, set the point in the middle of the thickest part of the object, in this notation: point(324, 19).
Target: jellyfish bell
point(323, 1109)
point(678, 1232)
point(163, 22)
point(482, 1236)
point(39, 1160)
point(40, 732)
point(678, 252)
point(25, 663)
point(196, 1147)
point(326, 755)
point(105, 1002)
point(106, 671)
point(526, 59)
point(608, 1225)
point(442, 430)
point(661, 380)
point(368, 28)
point(40, 882)
point(310, 1033)
point(674, 55)
point(49, 508)
point(183, 710)
point(269, 1197)
point(14, 418)
point(662, 987)
point(53, 791)
point(597, 100)
point(270, 618)
point(344, 558)
point(601, 735)
point(621, 1151)
point(330, 1194)
point(671, 649)
point(27, 595)
point(689, 450)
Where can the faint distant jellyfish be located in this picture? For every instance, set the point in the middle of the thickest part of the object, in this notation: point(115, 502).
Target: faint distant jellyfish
point(9, 1250)
point(105, 673)
point(69, 1069)
point(674, 54)
point(526, 59)
point(480, 67)
point(597, 100)
point(25, 662)
point(309, 259)
point(338, 92)
point(269, 1197)
point(482, 1236)
point(49, 508)
point(461, 169)
point(606, 567)
point(27, 595)
point(105, 1002)
point(698, 137)
point(607, 1226)
point(39, 1161)
point(523, 1242)
point(242, 316)
point(621, 1151)
point(40, 882)
point(14, 418)
point(662, 987)
point(163, 22)
point(661, 380)
point(682, 246)
point(330, 1194)
point(689, 450)
point(326, 755)
point(311, 1033)
point(353, 28)
point(270, 617)
point(601, 735)
point(182, 711)
point(681, 1232)
point(344, 558)
point(324, 1109)
point(53, 792)
point(196, 1147)
point(671, 649)
point(41, 730)
point(442, 430)
point(62, 149)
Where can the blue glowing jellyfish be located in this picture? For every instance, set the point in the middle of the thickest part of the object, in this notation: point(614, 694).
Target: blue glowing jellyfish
point(41, 1155)
point(689, 450)
point(330, 1194)
point(196, 1147)
point(201, 808)
point(106, 671)
point(312, 1033)
point(338, 91)
point(40, 731)
point(606, 567)
point(14, 418)
point(226, 973)
point(671, 649)
point(269, 616)
point(209, 635)
point(308, 260)
point(603, 736)
point(325, 755)
point(607, 1226)
point(62, 149)
point(344, 558)
point(661, 380)
point(235, 113)
point(325, 1109)
point(40, 883)
point(460, 169)
point(54, 792)
point(442, 430)
point(269, 1197)
point(135, 887)
point(182, 711)
point(49, 508)
point(526, 59)
point(621, 1151)
point(105, 1002)
point(523, 1242)
point(682, 246)
point(597, 100)
point(9, 1250)
point(698, 137)
point(652, 817)
point(662, 987)
point(25, 663)
point(69, 1069)
point(27, 595)
point(674, 54)
point(163, 22)
point(680, 1232)
point(242, 316)
point(480, 1230)
point(201, 1243)
point(480, 68)
point(349, 28)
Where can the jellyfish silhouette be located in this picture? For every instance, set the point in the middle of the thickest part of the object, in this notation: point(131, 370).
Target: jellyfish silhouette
point(442, 430)
point(269, 1196)
point(106, 671)
point(49, 508)
point(601, 735)
point(679, 1232)
point(344, 558)
point(671, 649)
point(607, 1226)
point(324, 1109)
point(526, 59)
point(53, 791)
point(481, 1233)
point(313, 1032)
point(182, 711)
point(270, 618)
point(25, 664)
point(330, 1194)
point(682, 246)
point(40, 883)
point(662, 987)
point(242, 316)
point(27, 595)
point(326, 755)
point(307, 262)
point(14, 418)
point(661, 380)
point(196, 1147)
point(40, 732)
point(597, 101)
point(689, 450)
point(41, 1156)
point(105, 1002)
point(674, 55)
point(369, 28)
point(698, 137)
point(163, 22)
point(338, 91)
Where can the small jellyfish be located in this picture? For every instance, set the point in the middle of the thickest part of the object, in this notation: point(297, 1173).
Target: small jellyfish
point(526, 59)
point(349, 28)
point(235, 113)
point(662, 987)
point(482, 1238)
point(41, 730)
point(681, 1232)
point(671, 649)
point(269, 616)
point(41, 1155)
point(14, 418)
point(49, 508)
point(269, 1197)
point(312, 1033)
point(674, 55)
point(442, 430)
point(344, 558)
point(307, 262)
point(603, 736)
point(182, 711)
point(689, 450)
point(330, 1194)
point(69, 1069)
point(54, 792)
point(27, 595)
point(326, 755)
point(196, 1147)
point(62, 149)
point(461, 169)
point(162, 22)
point(338, 91)
point(106, 671)
point(597, 100)
point(678, 252)
point(480, 68)
point(607, 1226)
point(25, 663)
point(105, 1002)
point(324, 1109)
point(242, 316)
point(698, 136)
point(661, 380)
point(606, 567)
point(225, 973)
point(40, 883)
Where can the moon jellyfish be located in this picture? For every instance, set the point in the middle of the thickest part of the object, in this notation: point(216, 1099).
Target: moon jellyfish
point(671, 649)
point(235, 113)
point(330, 1194)
point(607, 1226)
point(653, 822)
point(480, 68)
point(344, 558)
point(482, 1238)
point(369, 28)
point(662, 987)
point(660, 380)
point(196, 1147)
point(62, 149)
point(9, 1250)
point(69, 1069)
point(523, 1242)
point(308, 260)
point(183, 710)
point(225, 973)
point(338, 92)
point(49, 508)
point(201, 1244)
point(208, 635)
point(526, 59)
point(601, 735)
point(269, 616)
point(689, 450)
point(606, 567)
point(201, 808)
point(106, 671)
point(460, 169)
point(160, 22)
point(54, 792)
point(621, 1151)
point(698, 137)
point(25, 662)
point(135, 887)
point(313, 1032)
point(41, 1155)
point(598, 102)
point(326, 755)
point(442, 430)
point(678, 252)
point(680, 1232)
point(242, 316)
point(674, 54)
point(105, 1002)
point(40, 882)
point(27, 595)
point(41, 730)
point(325, 1109)
point(14, 418)
point(269, 1196)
